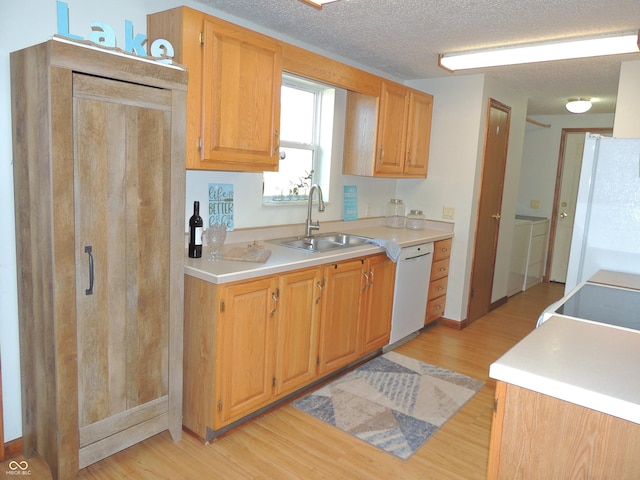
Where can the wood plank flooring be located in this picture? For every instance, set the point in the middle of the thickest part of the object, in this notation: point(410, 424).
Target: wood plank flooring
point(287, 444)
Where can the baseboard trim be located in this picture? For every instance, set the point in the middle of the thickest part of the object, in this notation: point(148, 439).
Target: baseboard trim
point(13, 448)
point(446, 322)
point(498, 303)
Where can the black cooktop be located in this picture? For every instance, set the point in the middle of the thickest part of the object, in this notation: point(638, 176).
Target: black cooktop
point(604, 304)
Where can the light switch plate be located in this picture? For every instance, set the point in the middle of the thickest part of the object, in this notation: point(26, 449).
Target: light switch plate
point(448, 212)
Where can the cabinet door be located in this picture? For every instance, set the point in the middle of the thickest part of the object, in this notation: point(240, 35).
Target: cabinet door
point(297, 329)
point(242, 75)
point(378, 304)
point(418, 134)
point(244, 359)
point(122, 174)
point(394, 106)
point(340, 314)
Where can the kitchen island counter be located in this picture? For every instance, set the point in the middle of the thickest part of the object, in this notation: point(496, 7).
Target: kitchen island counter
point(585, 363)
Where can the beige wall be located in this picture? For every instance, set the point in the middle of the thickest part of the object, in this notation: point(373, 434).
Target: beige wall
point(627, 119)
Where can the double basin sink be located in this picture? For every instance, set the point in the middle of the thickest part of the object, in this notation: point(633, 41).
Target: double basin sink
point(323, 241)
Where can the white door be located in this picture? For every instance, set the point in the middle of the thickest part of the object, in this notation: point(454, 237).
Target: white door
point(572, 160)
point(571, 151)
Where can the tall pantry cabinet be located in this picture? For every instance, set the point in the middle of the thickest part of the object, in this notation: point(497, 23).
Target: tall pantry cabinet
point(98, 144)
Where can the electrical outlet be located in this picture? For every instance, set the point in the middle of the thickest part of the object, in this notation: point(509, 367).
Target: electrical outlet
point(535, 203)
point(448, 212)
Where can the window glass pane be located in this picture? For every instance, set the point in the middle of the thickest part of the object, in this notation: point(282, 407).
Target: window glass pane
point(297, 115)
point(291, 177)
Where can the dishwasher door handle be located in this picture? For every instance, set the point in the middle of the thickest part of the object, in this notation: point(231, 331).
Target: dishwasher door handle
point(416, 257)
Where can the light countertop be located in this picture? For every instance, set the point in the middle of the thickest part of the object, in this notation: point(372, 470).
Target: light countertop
point(284, 259)
point(585, 363)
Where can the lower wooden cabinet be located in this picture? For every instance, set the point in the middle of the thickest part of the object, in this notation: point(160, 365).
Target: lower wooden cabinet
point(535, 436)
point(341, 309)
point(439, 279)
point(356, 310)
point(378, 303)
point(245, 357)
point(266, 336)
point(250, 343)
point(297, 329)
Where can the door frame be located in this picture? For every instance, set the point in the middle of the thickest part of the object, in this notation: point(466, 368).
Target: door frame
point(556, 193)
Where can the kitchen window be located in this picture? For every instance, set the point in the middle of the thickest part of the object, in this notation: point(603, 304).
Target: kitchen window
point(306, 130)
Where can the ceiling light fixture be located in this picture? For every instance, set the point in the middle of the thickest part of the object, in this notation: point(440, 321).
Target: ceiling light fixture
point(628, 42)
point(579, 105)
point(317, 3)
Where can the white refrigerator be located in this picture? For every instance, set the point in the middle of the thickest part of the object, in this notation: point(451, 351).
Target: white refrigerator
point(606, 232)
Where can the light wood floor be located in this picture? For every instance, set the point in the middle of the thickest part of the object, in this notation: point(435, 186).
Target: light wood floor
point(287, 444)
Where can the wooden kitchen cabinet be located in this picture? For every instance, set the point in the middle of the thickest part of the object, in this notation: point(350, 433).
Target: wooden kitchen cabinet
point(98, 143)
point(245, 338)
point(247, 344)
point(356, 310)
point(437, 296)
point(251, 343)
point(377, 302)
point(297, 329)
point(535, 436)
point(341, 307)
point(389, 135)
point(233, 101)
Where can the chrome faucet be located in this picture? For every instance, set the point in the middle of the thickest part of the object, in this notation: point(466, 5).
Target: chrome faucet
point(310, 225)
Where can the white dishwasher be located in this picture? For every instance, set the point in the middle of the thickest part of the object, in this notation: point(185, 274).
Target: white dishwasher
point(413, 272)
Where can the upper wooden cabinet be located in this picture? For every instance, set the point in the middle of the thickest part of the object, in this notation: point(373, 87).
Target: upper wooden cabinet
point(389, 135)
point(233, 99)
point(233, 102)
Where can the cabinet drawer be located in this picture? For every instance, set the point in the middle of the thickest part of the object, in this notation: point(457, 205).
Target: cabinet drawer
point(435, 309)
point(438, 288)
point(441, 249)
point(440, 269)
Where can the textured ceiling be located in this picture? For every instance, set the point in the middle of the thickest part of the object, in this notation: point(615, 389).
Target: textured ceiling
point(404, 37)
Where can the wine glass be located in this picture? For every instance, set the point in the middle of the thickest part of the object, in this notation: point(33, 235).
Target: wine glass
point(216, 235)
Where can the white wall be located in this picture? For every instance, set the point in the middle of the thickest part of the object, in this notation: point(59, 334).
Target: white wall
point(627, 123)
point(457, 147)
point(457, 108)
point(540, 158)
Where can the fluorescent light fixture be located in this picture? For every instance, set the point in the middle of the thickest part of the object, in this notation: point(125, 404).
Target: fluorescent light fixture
point(542, 52)
point(579, 105)
point(317, 3)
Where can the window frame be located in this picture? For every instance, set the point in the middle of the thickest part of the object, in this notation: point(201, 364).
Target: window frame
point(317, 152)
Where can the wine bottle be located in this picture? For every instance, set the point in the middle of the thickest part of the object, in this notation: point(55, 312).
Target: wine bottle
point(195, 232)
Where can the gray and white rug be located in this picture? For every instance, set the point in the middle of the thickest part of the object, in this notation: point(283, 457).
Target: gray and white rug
point(393, 402)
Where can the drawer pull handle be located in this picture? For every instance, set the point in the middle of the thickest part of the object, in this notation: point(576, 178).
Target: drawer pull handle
point(274, 295)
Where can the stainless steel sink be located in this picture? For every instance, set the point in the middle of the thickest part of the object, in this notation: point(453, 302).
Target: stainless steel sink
point(322, 241)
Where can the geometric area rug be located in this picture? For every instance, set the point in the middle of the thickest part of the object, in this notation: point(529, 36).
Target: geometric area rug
point(393, 402)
